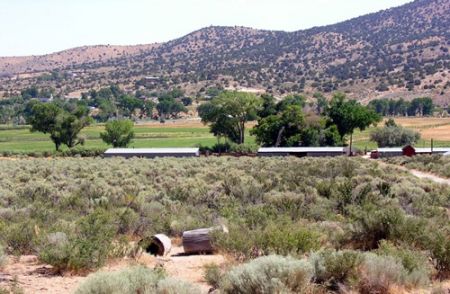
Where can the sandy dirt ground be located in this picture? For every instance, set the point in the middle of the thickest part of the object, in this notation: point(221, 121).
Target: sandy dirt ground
point(34, 277)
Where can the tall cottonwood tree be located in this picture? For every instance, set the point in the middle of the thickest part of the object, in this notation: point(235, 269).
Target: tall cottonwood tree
point(349, 115)
point(228, 113)
point(63, 126)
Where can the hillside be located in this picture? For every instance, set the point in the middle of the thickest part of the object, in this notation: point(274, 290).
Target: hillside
point(67, 58)
point(402, 51)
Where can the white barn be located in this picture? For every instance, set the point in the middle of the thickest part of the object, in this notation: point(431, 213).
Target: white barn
point(152, 152)
point(303, 151)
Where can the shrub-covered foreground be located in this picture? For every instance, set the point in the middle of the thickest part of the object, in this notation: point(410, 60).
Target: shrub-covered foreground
point(322, 272)
point(436, 163)
point(136, 279)
point(77, 213)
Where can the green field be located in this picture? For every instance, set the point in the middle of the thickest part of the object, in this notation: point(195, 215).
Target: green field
point(22, 140)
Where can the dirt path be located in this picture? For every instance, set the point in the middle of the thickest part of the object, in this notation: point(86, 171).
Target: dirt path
point(34, 277)
point(429, 176)
point(417, 173)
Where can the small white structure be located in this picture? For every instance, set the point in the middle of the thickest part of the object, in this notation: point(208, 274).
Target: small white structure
point(152, 152)
point(303, 151)
point(432, 151)
point(390, 152)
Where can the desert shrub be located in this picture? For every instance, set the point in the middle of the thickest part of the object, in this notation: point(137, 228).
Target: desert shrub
point(270, 274)
point(414, 262)
point(132, 280)
point(86, 248)
point(19, 238)
point(55, 250)
point(373, 224)
point(137, 279)
point(439, 246)
point(379, 273)
point(213, 275)
point(92, 241)
point(3, 257)
point(275, 238)
point(286, 206)
point(332, 268)
point(128, 221)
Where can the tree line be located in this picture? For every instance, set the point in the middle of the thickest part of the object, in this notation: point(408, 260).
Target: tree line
point(286, 122)
point(400, 107)
point(109, 103)
point(290, 122)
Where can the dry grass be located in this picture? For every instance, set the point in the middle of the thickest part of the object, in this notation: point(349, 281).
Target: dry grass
point(429, 127)
point(422, 122)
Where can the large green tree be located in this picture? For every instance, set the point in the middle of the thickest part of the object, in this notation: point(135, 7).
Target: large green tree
point(63, 126)
point(118, 133)
point(230, 110)
point(349, 115)
point(282, 129)
point(291, 127)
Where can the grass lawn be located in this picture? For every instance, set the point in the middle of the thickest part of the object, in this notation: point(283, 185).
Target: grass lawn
point(148, 135)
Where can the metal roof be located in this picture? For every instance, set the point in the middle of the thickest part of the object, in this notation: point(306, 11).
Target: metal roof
point(388, 150)
point(151, 150)
point(302, 150)
point(428, 150)
point(418, 150)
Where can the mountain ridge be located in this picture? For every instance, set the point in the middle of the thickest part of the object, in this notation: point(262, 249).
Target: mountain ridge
point(398, 51)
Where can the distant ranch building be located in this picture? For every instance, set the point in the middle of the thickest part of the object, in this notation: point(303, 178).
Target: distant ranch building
point(152, 152)
point(303, 151)
point(409, 151)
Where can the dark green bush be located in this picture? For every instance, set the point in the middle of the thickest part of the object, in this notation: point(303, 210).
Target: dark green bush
point(332, 268)
point(412, 261)
point(373, 224)
point(439, 246)
point(275, 238)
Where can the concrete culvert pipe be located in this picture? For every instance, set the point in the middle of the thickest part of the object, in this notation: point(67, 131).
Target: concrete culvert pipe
point(158, 245)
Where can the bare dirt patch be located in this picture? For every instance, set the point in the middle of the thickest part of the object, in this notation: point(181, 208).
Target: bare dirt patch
point(34, 277)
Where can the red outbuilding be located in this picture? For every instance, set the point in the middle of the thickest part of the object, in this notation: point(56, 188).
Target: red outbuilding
point(409, 151)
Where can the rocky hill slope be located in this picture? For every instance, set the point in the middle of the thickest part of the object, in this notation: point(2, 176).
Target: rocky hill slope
point(403, 51)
